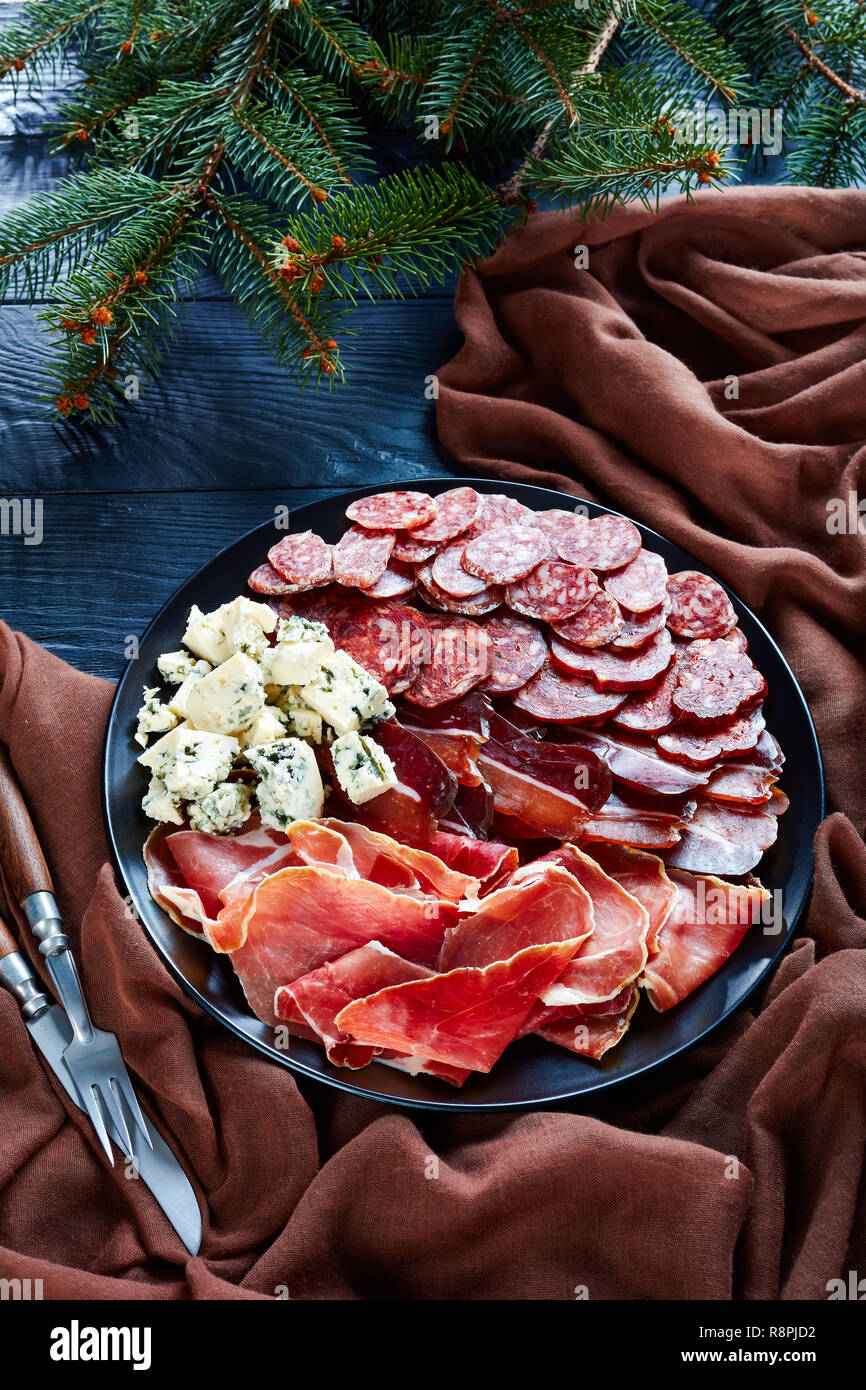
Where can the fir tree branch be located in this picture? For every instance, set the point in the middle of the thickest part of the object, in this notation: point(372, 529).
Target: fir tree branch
point(852, 94)
point(18, 61)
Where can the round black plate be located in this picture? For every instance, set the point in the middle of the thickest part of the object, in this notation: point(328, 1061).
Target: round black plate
point(531, 1072)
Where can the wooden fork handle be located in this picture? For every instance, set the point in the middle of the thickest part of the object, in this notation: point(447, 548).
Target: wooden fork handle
point(20, 853)
point(8, 944)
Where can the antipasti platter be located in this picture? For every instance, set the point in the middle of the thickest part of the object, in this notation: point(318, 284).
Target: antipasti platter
point(463, 795)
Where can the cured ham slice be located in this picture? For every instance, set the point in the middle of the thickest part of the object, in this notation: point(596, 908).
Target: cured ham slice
point(637, 764)
point(472, 812)
point(548, 905)
point(634, 820)
point(592, 1035)
point(487, 860)
point(426, 871)
point(454, 731)
point(167, 887)
point(552, 787)
point(725, 839)
point(707, 922)
point(642, 875)
point(425, 791)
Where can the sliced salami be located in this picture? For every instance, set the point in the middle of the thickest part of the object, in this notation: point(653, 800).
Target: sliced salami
point(725, 741)
point(700, 608)
point(410, 550)
point(413, 635)
point(361, 556)
point(448, 572)
point(650, 712)
point(716, 681)
point(375, 634)
point(459, 508)
point(600, 542)
point(499, 510)
point(558, 698)
point(506, 553)
point(552, 592)
point(474, 607)
point(393, 511)
point(266, 580)
point(641, 584)
point(459, 660)
point(556, 523)
point(396, 581)
point(612, 669)
point(595, 625)
point(518, 652)
point(303, 560)
point(724, 839)
point(638, 628)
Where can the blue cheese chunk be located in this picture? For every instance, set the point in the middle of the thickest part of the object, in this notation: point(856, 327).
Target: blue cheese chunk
point(179, 699)
point(234, 627)
point(159, 805)
point(223, 810)
point(153, 717)
point(290, 785)
point(174, 667)
point(362, 768)
point(270, 724)
point(229, 698)
point(189, 763)
point(298, 653)
point(345, 695)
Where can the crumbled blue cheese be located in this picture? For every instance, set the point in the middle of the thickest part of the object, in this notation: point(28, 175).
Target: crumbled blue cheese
point(189, 763)
point(345, 695)
point(223, 810)
point(229, 698)
point(299, 651)
point(234, 627)
point(179, 699)
point(153, 717)
point(270, 724)
point(174, 667)
point(362, 768)
point(304, 723)
point(290, 785)
point(159, 805)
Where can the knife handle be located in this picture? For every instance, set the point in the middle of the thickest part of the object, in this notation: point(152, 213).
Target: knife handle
point(16, 975)
point(20, 852)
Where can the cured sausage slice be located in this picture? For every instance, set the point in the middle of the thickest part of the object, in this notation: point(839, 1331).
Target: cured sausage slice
point(459, 508)
point(518, 652)
point(693, 746)
point(559, 698)
point(724, 839)
point(600, 542)
point(448, 572)
point(393, 511)
point(486, 602)
point(303, 560)
point(361, 557)
point(638, 628)
point(499, 510)
point(700, 608)
point(595, 625)
point(459, 659)
point(552, 592)
point(410, 550)
point(716, 681)
point(506, 553)
point(617, 670)
point(640, 585)
point(652, 711)
point(396, 581)
point(266, 580)
point(557, 522)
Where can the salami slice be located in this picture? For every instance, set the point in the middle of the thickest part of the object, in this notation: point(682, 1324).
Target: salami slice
point(595, 625)
point(410, 550)
point(459, 660)
point(725, 741)
point(640, 585)
point(393, 511)
point(556, 523)
point(616, 670)
point(448, 572)
point(375, 634)
point(266, 580)
point(518, 652)
point(396, 581)
point(558, 698)
point(552, 592)
point(506, 553)
point(600, 542)
point(361, 556)
point(474, 607)
point(413, 635)
point(459, 508)
point(650, 712)
point(499, 510)
point(638, 628)
point(716, 681)
point(303, 560)
point(700, 608)
point(724, 839)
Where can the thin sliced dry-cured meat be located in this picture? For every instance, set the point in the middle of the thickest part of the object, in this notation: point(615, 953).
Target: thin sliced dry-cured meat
point(650, 711)
point(459, 660)
point(361, 557)
point(487, 860)
point(640, 585)
point(448, 573)
point(638, 764)
point(707, 922)
point(638, 628)
point(395, 581)
point(375, 856)
point(499, 510)
point(459, 508)
point(376, 635)
point(471, 813)
point(393, 511)
point(547, 905)
point(700, 608)
point(485, 601)
point(595, 625)
point(644, 876)
point(715, 681)
point(518, 652)
point(766, 752)
point(552, 592)
point(722, 741)
point(592, 1035)
point(455, 731)
point(613, 669)
point(424, 793)
point(723, 838)
point(559, 698)
point(303, 560)
point(504, 554)
point(631, 820)
point(410, 550)
point(267, 580)
point(557, 522)
point(551, 787)
point(741, 782)
point(600, 542)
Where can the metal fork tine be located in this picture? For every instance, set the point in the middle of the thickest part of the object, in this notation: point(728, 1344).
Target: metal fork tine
point(110, 1095)
point(90, 1096)
point(135, 1109)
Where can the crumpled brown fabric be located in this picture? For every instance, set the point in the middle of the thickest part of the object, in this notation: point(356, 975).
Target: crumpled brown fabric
point(737, 1171)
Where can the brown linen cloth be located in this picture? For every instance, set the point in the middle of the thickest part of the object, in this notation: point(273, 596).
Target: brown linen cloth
point(320, 1195)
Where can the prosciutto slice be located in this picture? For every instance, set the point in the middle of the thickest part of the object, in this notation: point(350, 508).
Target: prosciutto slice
point(370, 851)
point(592, 1035)
point(707, 922)
point(454, 731)
point(552, 787)
point(642, 875)
point(488, 861)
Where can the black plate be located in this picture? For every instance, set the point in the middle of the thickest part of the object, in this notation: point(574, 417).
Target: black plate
point(531, 1072)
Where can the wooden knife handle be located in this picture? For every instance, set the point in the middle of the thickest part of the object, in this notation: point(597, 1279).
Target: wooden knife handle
point(8, 944)
point(20, 853)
